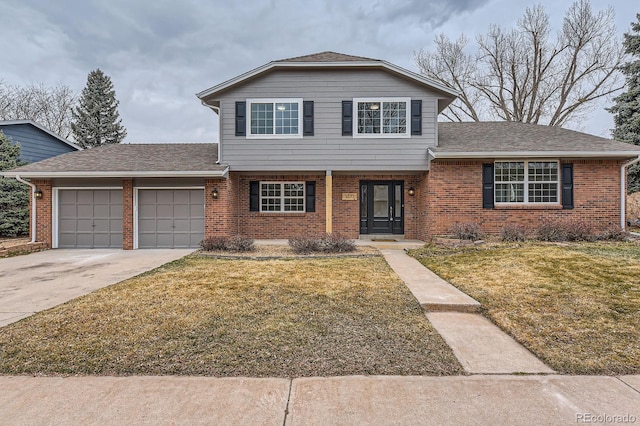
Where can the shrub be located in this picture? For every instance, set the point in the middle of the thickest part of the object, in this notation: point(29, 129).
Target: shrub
point(572, 229)
point(327, 243)
point(614, 233)
point(513, 233)
point(466, 231)
point(235, 243)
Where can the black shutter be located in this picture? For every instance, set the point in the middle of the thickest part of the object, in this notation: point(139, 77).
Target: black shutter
point(347, 118)
point(567, 186)
point(310, 196)
point(307, 118)
point(487, 186)
point(254, 196)
point(416, 117)
point(241, 118)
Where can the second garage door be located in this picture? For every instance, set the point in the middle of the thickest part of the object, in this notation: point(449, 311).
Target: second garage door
point(170, 218)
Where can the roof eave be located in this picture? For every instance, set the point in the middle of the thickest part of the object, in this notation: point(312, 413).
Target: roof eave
point(119, 174)
point(351, 64)
point(531, 154)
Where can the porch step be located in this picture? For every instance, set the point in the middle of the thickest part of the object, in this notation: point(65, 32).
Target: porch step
point(432, 292)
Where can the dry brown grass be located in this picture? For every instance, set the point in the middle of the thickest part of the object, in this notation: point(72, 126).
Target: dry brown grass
point(576, 306)
point(203, 316)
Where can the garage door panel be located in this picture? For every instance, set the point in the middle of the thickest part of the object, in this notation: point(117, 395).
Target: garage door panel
point(89, 218)
point(178, 217)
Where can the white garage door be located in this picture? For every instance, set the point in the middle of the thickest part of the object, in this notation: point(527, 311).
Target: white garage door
point(170, 218)
point(90, 218)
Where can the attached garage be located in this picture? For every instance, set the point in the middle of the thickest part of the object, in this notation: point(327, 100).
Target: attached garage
point(170, 218)
point(89, 218)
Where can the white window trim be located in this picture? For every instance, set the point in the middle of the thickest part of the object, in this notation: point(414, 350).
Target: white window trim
point(282, 197)
point(274, 101)
point(407, 134)
point(526, 182)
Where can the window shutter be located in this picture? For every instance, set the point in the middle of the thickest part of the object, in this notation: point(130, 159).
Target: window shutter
point(347, 118)
point(307, 118)
point(254, 196)
point(567, 186)
point(416, 117)
point(310, 196)
point(487, 186)
point(241, 118)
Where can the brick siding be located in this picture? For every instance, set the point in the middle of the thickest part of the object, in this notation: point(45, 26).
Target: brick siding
point(127, 214)
point(455, 196)
point(44, 212)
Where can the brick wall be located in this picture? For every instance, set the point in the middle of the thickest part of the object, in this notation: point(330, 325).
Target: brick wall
point(220, 212)
point(44, 216)
point(127, 214)
point(454, 195)
point(277, 225)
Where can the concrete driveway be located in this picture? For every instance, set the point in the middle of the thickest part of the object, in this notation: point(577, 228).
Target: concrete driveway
point(39, 281)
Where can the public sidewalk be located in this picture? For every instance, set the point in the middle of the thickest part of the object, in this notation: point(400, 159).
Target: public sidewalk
point(353, 400)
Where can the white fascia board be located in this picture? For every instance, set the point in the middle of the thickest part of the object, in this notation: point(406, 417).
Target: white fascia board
point(98, 174)
point(352, 64)
point(532, 154)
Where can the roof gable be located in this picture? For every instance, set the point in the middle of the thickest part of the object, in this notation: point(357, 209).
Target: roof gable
point(4, 123)
point(330, 60)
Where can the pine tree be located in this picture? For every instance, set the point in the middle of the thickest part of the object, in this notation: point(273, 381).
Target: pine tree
point(627, 108)
point(14, 196)
point(96, 119)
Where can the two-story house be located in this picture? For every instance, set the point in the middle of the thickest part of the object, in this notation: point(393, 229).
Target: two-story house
point(328, 143)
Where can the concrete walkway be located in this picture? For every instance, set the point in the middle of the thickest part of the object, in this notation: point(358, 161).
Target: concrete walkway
point(480, 346)
point(354, 400)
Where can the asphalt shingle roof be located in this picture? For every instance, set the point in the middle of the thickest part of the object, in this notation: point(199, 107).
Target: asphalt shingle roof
point(175, 157)
point(520, 137)
point(327, 57)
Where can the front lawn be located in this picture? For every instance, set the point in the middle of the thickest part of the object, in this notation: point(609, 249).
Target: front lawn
point(576, 306)
point(215, 317)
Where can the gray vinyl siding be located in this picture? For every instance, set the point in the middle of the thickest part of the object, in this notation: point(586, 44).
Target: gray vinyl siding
point(35, 145)
point(328, 149)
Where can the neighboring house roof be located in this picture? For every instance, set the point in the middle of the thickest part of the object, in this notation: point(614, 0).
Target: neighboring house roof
point(514, 139)
point(44, 129)
point(332, 60)
point(130, 160)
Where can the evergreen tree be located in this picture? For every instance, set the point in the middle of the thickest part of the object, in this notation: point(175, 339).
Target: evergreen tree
point(96, 119)
point(14, 196)
point(627, 108)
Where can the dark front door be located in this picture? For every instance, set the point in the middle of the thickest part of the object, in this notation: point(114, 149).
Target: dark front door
point(382, 207)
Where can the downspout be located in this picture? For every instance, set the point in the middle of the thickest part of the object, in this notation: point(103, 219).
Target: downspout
point(33, 207)
point(623, 191)
point(216, 110)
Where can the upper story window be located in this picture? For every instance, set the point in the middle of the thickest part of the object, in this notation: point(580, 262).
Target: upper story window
point(526, 182)
point(274, 118)
point(381, 117)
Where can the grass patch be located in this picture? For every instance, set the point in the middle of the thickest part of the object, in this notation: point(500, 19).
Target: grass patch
point(576, 306)
point(215, 317)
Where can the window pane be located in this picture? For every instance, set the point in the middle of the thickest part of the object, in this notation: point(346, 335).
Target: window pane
point(509, 192)
point(261, 118)
point(543, 172)
point(287, 118)
point(394, 117)
point(381, 201)
point(369, 117)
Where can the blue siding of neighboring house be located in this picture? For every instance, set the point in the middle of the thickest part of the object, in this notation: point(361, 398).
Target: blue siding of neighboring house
point(35, 145)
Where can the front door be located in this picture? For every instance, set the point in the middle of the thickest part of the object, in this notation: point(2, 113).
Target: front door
point(382, 207)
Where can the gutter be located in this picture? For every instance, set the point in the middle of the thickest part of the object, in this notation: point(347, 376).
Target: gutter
point(623, 191)
point(216, 110)
point(530, 154)
point(33, 206)
point(119, 174)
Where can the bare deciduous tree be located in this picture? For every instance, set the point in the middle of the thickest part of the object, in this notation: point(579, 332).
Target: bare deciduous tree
point(48, 106)
point(522, 75)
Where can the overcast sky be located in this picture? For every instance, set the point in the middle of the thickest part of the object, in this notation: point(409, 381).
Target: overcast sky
point(160, 53)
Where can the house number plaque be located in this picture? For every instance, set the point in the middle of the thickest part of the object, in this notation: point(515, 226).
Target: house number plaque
point(349, 196)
